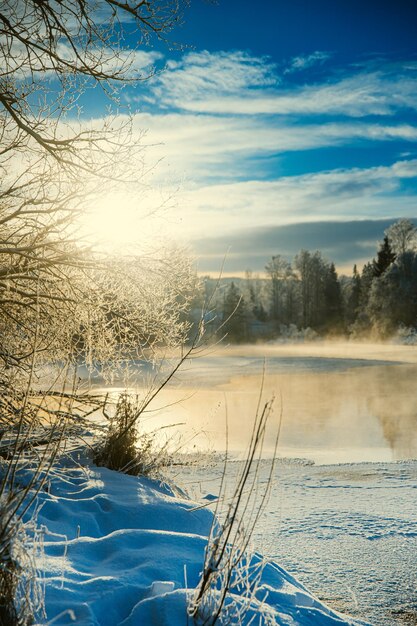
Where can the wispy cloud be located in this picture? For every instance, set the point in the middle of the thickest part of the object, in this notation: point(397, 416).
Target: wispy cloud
point(203, 75)
point(301, 63)
point(206, 147)
point(204, 112)
point(239, 84)
point(218, 120)
point(131, 63)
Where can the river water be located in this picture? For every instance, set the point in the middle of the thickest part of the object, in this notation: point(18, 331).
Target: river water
point(336, 402)
point(342, 514)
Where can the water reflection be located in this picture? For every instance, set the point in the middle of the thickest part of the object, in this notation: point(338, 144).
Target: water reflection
point(333, 409)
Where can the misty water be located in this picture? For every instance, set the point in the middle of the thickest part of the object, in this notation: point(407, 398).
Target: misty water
point(337, 402)
point(346, 531)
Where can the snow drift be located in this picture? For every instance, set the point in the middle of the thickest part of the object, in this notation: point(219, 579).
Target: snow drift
point(128, 551)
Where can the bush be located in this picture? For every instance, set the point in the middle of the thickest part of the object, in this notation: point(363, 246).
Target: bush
point(124, 449)
point(406, 336)
point(21, 596)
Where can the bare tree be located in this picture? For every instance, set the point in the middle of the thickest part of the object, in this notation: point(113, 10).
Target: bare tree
point(312, 269)
point(72, 42)
point(402, 236)
point(62, 303)
point(282, 275)
point(51, 167)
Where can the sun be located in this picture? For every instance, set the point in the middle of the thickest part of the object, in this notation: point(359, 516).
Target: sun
point(111, 220)
point(119, 221)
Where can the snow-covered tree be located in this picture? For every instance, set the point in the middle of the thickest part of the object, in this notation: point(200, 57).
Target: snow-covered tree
point(59, 300)
point(393, 297)
point(283, 290)
point(312, 271)
point(402, 236)
point(234, 315)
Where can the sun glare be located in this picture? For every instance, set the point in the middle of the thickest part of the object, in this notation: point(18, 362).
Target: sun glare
point(120, 221)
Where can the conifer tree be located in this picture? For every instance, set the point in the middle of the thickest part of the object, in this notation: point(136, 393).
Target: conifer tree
point(384, 259)
point(234, 316)
point(354, 297)
point(333, 298)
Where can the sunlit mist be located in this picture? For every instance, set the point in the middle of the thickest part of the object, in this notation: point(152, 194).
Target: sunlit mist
point(337, 401)
point(122, 221)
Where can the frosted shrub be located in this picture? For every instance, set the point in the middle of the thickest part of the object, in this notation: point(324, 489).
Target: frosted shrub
point(124, 448)
point(291, 334)
point(20, 593)
point(406, 336)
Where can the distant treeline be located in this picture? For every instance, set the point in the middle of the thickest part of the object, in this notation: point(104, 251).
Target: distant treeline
point(306, 297)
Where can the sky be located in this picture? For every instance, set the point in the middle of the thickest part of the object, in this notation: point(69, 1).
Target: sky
point(283, 125)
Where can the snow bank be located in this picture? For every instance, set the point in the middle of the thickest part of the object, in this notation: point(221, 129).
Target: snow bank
point(122, 550)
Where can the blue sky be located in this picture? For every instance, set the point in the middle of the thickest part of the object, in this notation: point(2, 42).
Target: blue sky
point(284, 118)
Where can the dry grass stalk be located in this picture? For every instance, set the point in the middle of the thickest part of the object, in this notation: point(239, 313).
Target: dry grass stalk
point(230, 578)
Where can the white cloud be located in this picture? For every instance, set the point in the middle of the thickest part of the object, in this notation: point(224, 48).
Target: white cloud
point(239, 84)
point(203, 147)
point(128, 62)
point(301, 63)
point(203, 75)
point(340, 194)
point(207, 128)
point(355, 96)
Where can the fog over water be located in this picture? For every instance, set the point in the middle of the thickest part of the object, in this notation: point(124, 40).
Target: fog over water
point(340, 402)
point(346, 531)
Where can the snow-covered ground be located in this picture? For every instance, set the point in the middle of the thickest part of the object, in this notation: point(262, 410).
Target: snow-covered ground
point(348, 532)
point(126, 551)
